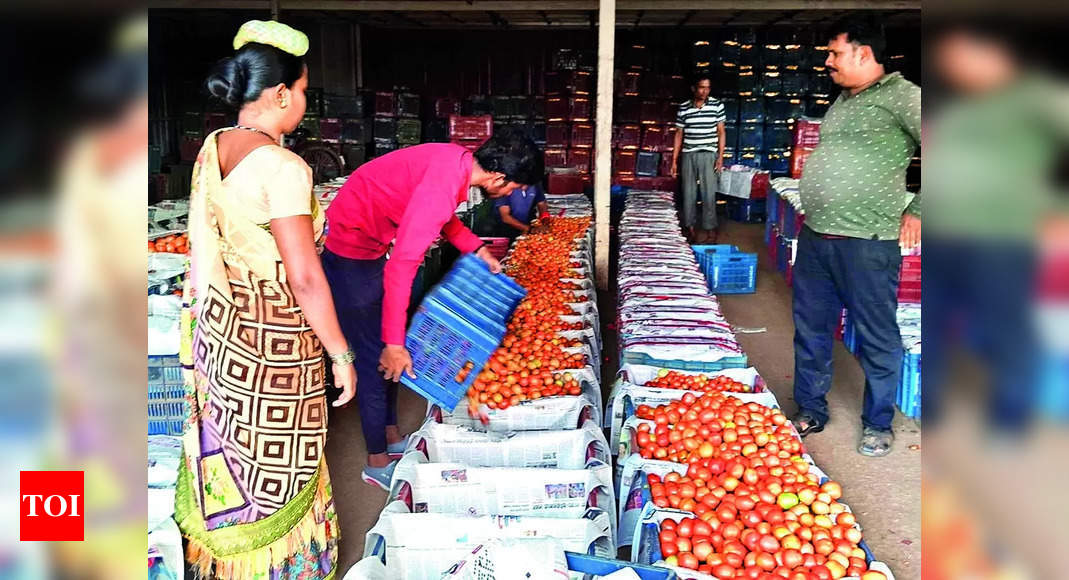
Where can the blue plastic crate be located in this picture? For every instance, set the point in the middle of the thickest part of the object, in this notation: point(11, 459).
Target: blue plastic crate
point(731, 362)
point(752, 110)
point(751, 137)
point(750, 211)
point(778, 162)
point(587, 564)
point(167, 409)
point(727, 270)
point(909, 389)
point(777, 137)
point(457, 327)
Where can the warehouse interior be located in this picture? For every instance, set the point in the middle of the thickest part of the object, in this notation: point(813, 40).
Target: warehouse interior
point(539, 69)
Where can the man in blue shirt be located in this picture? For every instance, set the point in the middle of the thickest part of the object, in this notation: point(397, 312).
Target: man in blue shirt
point(515, 212)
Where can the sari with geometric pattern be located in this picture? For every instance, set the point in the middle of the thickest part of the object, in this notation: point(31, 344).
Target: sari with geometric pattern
point(254, 497)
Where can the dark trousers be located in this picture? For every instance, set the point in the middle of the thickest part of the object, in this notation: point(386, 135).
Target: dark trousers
point(982, 292)
point(863, 276)
point(356, 286)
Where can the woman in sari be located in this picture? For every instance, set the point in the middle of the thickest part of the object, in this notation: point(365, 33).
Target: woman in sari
point(254, 497)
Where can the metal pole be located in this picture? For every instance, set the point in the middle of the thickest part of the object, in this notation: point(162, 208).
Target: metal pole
point(603, 138)
point(274, 9)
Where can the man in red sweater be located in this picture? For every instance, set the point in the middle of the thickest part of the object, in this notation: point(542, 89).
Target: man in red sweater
point(408, 197)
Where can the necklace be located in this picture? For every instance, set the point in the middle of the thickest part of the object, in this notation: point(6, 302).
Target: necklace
point(260, 131)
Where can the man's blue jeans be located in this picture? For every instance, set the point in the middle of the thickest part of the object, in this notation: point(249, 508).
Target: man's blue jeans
point(862, 275)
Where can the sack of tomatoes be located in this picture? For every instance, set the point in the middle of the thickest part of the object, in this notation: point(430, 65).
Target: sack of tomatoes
point(174, 244)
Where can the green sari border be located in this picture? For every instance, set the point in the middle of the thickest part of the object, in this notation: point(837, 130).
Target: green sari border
point(240, 538)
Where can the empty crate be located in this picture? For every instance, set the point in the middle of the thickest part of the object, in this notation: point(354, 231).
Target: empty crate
point(646, 163)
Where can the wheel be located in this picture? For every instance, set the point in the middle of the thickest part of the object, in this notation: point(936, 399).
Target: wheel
point(326, 163)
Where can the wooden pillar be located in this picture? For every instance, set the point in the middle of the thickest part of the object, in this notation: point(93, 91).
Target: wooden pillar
point(603, 139)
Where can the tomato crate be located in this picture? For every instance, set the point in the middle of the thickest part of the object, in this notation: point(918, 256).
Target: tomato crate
point(727, 270)
point(556, 158)
point(456, 328)
point(167, 408)
point(564, 183)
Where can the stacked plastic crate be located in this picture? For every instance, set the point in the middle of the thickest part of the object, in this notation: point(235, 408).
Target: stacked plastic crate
point(643, 125)
point(767, 82)
point(569, 128)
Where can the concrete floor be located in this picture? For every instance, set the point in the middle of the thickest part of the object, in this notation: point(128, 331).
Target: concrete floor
point(884, 493)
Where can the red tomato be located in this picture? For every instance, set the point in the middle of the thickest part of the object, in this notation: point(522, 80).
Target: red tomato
point(688, 561)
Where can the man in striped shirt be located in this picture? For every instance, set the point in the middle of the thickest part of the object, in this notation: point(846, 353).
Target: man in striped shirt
point(700, 139)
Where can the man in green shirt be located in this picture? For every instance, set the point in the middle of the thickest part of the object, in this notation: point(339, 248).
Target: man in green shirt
point(858, 214)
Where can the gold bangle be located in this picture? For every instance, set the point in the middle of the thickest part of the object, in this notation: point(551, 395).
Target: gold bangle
point(343, 358)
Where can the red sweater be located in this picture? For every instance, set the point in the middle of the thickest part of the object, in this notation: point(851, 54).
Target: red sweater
point(410, 195)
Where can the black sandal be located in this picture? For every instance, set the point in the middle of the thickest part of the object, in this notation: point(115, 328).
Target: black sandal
point(805, 423)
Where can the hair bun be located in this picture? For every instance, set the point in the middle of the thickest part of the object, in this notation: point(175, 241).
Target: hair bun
point(228, 82)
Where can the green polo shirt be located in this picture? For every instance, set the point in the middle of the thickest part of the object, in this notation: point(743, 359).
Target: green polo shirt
point(854, 183)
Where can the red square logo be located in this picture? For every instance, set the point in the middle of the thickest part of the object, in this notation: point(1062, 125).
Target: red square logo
point(51, 506)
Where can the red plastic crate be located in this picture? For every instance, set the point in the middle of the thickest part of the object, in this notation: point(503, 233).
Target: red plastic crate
point(498, 247)
point(579, 109)
point(557, 109)
point(213, 121)
point(469, 144)
point(189, 148)
point(580, 159)
point(650, 112)
point(623, 162)
point(446, 107)
point(385, 104)
point(558, 135)
point(909, 279)
point(582, 135)
point(556, 158)
point(629, 83)
point(569, 82)
point(798, 159)
point(652, 138)
point(806, 133)
point(627, 137)
point(628, 109)
point(564, 183)
point(759, 185)
point(463, 128)
point(330, 129)
point(624, 179)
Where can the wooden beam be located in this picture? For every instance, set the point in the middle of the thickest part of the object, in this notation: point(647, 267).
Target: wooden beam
point(546, 5)
point(690, 14)
point(603, 139)
point(545, 17)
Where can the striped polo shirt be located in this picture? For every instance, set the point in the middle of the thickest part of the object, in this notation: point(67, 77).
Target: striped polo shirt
point(699, 125)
